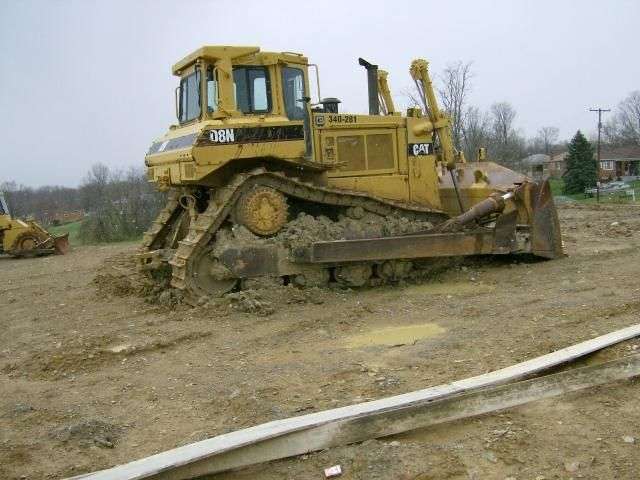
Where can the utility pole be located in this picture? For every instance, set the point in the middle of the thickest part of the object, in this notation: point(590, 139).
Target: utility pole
point(599, 110)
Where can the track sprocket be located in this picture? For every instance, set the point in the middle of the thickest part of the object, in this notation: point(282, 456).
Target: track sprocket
point(263, 210)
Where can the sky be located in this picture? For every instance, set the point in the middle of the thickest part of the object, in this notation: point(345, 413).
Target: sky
point(88, 81)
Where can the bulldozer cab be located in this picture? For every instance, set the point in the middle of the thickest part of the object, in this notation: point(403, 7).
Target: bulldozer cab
point(235, 82)
point(236, 106)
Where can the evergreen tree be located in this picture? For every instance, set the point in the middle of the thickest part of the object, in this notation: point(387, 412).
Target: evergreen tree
point(582, 171)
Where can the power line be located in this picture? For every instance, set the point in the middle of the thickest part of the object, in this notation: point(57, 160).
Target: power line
point(600, 111)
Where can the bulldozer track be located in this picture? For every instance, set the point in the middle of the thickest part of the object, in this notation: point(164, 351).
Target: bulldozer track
point(161, 221)
point(203, 229)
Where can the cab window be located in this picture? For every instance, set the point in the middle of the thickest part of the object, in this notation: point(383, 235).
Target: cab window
point(189, 97)
point(252, 89)
point(212, 91)
point(293, 92)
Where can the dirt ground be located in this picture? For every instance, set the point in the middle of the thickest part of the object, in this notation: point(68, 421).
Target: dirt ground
point(91, 378)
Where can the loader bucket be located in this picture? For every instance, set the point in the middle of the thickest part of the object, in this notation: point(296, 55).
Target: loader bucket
point(546, 240)
point(61, 244)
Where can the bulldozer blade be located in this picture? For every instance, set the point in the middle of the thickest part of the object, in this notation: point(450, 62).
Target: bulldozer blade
point(546, 240)
point(61, 244)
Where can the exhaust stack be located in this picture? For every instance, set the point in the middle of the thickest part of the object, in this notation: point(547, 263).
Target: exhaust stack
point(372, 83)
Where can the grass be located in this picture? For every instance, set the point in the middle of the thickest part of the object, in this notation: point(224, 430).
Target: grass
point(73, 229)
point(557, 185)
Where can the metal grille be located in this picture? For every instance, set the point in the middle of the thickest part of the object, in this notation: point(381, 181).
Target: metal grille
point(189, 171)
point(379, 151)
point(351, 152)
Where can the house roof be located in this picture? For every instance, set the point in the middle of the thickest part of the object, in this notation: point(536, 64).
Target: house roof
point(629, 152)
point(607, 152)
point(557, 157)
point(536, 159)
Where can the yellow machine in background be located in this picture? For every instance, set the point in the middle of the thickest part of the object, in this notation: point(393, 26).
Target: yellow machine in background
point(27, 238)
point(251, 151)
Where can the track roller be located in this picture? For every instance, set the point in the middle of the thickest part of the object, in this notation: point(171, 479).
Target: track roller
point(353, 275)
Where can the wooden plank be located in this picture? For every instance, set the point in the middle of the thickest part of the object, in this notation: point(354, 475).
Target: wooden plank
point(417, 415)
point(353, 423)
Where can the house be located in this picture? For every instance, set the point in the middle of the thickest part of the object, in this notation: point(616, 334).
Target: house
point(556, 165)
point(60, 218)
point(533, 165)
point(619, 163)
point(616, 163)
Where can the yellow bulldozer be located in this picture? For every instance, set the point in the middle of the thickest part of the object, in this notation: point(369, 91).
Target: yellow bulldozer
point(264, 182)
point(26, 238)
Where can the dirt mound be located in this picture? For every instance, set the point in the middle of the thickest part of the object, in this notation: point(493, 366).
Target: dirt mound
point(82, 355)
point(114, 285)
point(251, 301)
point(265, 296)
point(119, 276)
point(306, 229)
point(88, 433)
point(619, 229)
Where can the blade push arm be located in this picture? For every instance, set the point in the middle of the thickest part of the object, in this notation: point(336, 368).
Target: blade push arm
point(386, 102)
point(438, 121)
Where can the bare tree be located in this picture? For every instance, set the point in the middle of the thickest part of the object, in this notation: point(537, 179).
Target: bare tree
point(454, 90)
point(476, 131)
point(94, 186)
point(503, 114)
point(610, 132)
point(623, 128)
point(8, 186)
point(120, 204)
point(546, 138)
point(412, 97)
point(42, 203)
point(507, 145)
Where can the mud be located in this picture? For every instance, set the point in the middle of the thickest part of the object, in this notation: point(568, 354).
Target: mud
point(306, 229)
point(264, 298)
point(79, 363)
point(119, 276)
point(396, 336)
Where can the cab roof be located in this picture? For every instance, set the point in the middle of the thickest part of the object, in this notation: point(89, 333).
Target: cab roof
point(214, 53)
